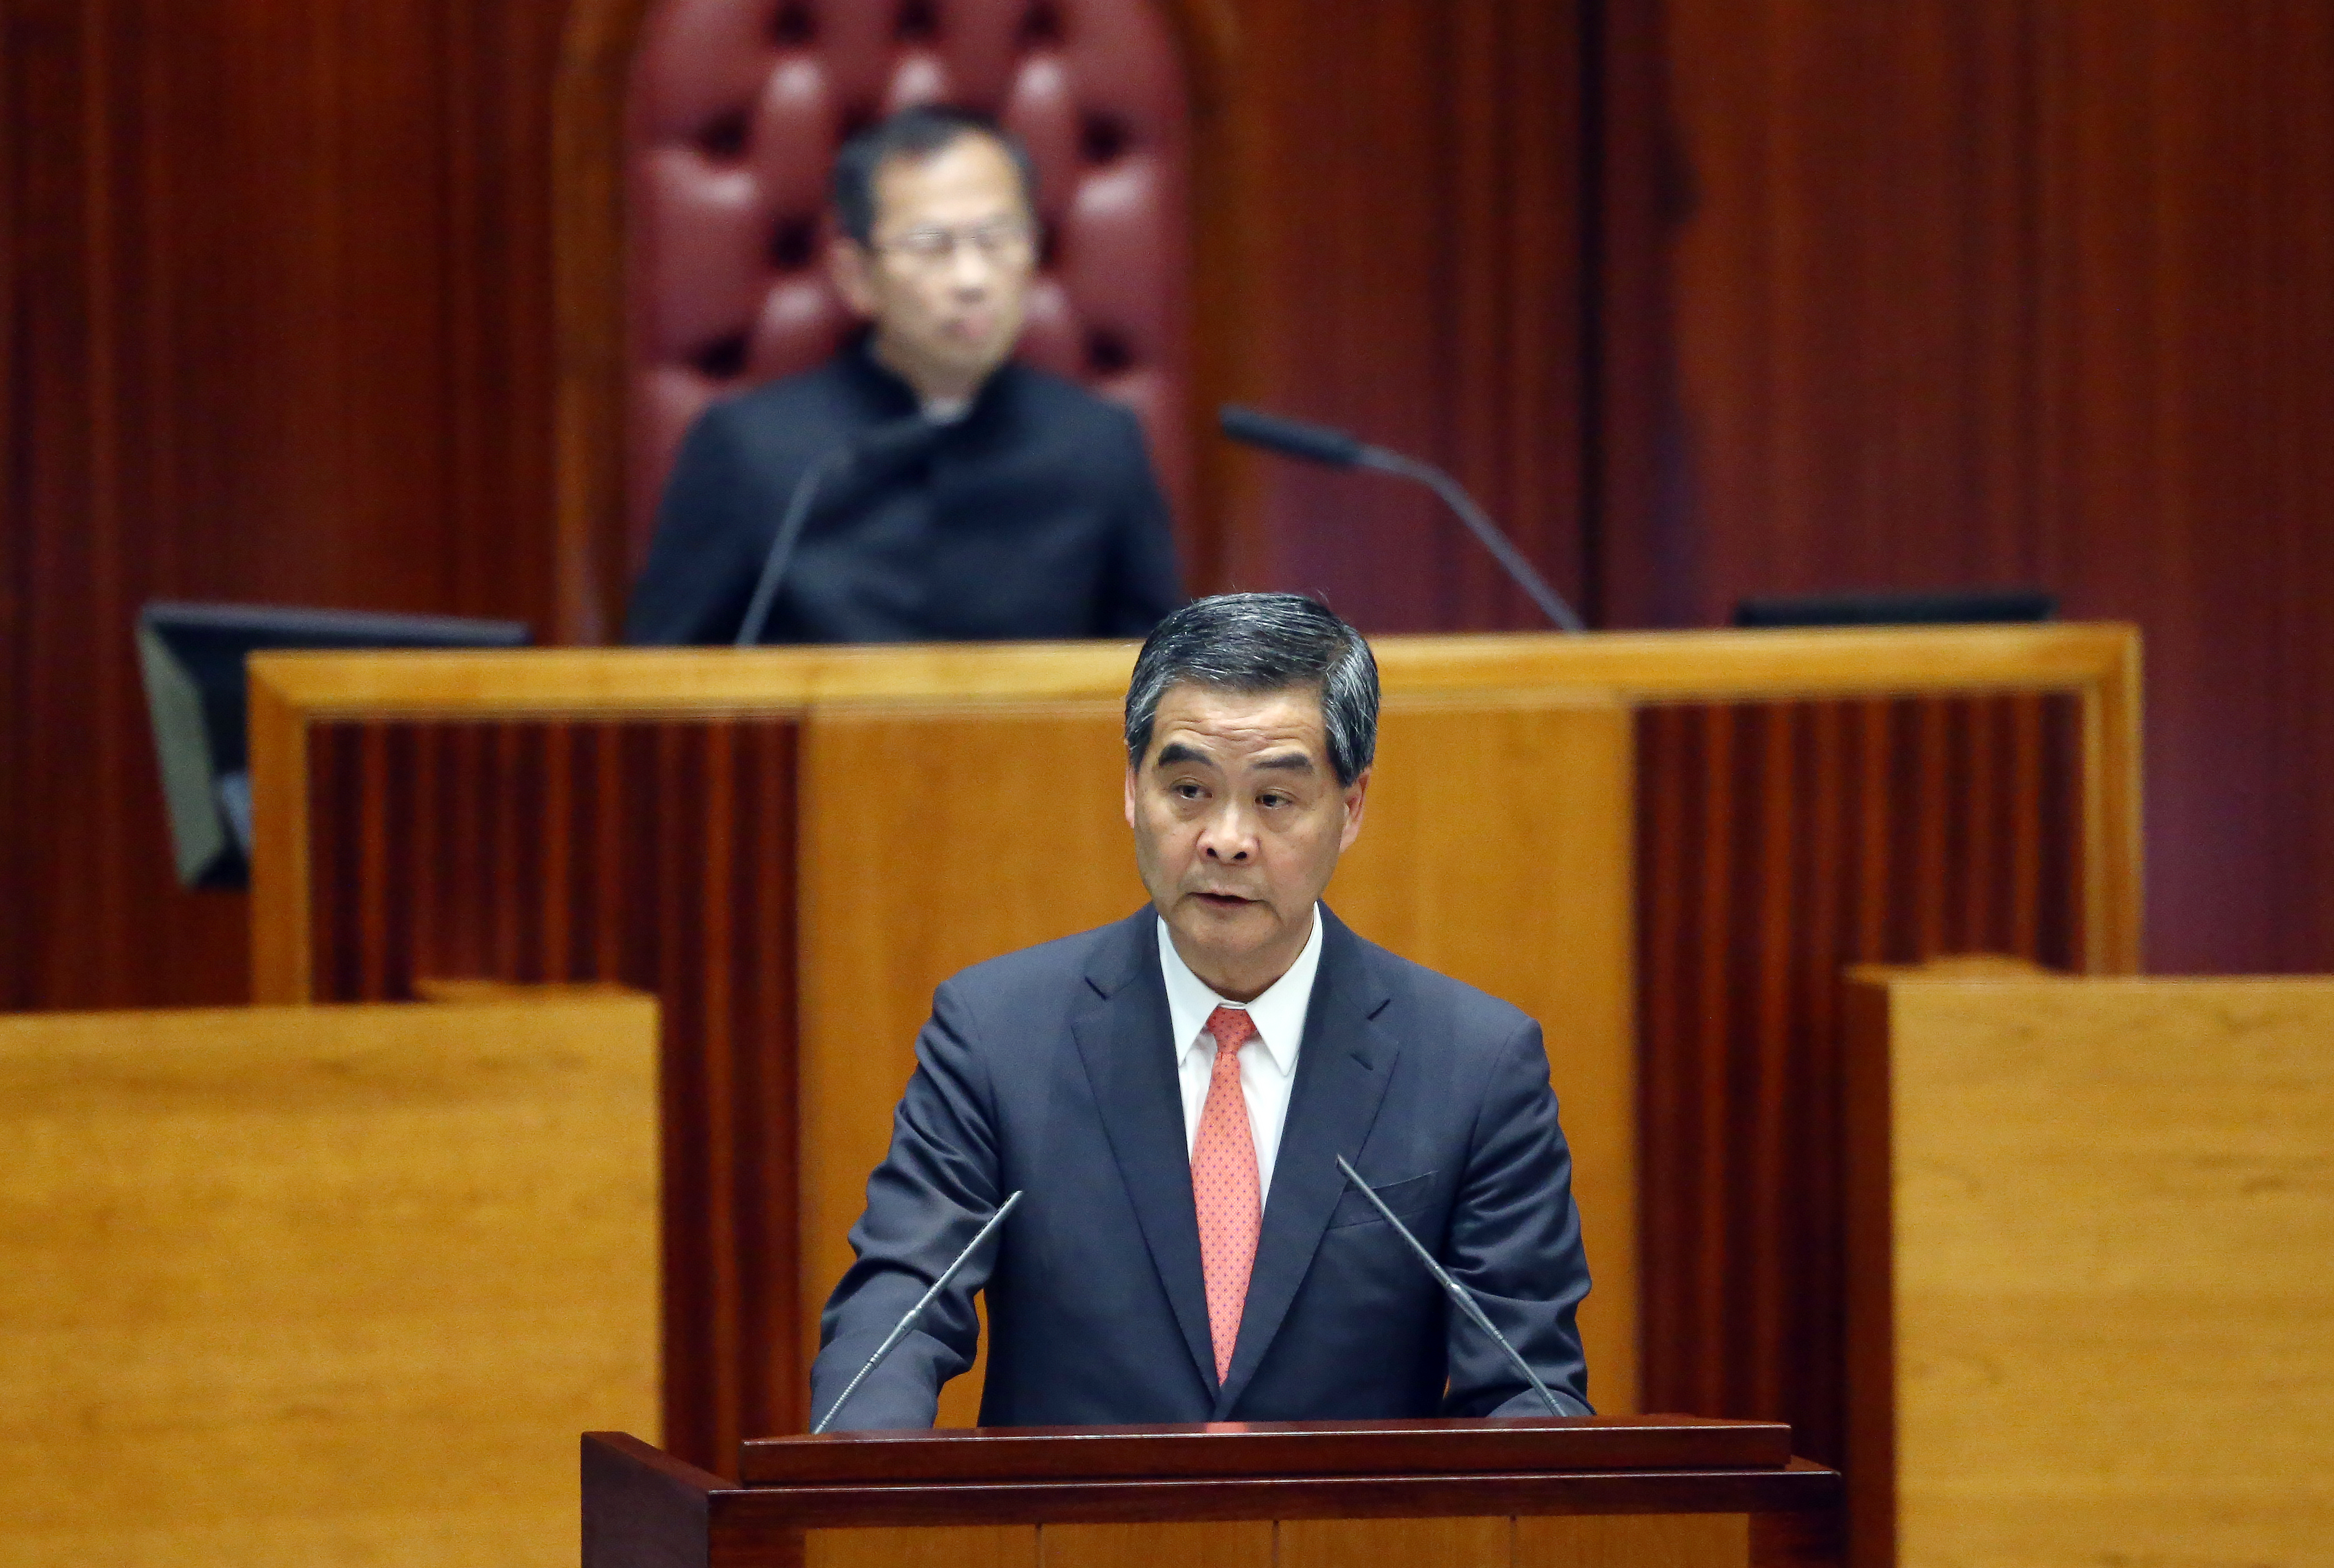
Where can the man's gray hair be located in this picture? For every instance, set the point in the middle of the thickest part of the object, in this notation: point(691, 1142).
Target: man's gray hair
point(1260, 642)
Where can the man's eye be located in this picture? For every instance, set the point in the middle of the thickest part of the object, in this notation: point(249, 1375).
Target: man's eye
point(1186, 791)
point(1269, 799)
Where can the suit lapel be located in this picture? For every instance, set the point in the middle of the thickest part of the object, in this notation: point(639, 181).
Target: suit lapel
point(1124, 1041)
point(1342, 1070)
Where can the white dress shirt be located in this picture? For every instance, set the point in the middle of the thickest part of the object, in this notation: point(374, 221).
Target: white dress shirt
point(1266, 1074)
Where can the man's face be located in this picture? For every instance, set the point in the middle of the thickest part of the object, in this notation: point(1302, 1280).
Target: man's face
point(946, 279)
point(1238, 820)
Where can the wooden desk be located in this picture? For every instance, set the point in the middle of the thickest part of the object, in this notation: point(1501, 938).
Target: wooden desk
point(297, 1285)
point(1625, 1493)
point(2092, 1240)
point(1664, 845)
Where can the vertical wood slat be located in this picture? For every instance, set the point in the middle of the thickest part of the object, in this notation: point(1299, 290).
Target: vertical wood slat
point(659, 855)
point(1780, 841)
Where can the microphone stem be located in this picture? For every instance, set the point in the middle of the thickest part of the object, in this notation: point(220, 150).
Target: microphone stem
point(1463, 1298)
point(782, 544)
point(916, 1313)
point(1551, 604)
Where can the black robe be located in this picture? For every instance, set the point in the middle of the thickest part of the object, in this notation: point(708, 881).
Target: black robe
point(1033, 516)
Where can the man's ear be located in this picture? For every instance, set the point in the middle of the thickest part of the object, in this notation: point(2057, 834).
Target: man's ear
point(1130, 794)
point(1356, 797)
point(850, 265)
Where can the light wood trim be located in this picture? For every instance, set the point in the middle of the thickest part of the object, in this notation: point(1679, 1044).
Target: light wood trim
point(468, 991)
point(1650, 666)
point(1682, 666)
point(2114, 889)
point(282, 932)
point(691, 682)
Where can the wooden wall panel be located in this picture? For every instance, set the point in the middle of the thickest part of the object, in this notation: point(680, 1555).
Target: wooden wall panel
point(660, 856)
point(275, 277)
point(1776, 844)
point(2008, 291)
point(1409, 251)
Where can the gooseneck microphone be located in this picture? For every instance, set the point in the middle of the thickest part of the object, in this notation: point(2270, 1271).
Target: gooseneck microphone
point(868, 452)
point(916, 1313)
point(1322, 444)
point(1457, 1293)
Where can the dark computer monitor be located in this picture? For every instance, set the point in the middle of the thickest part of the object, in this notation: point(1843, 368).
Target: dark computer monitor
point(1928, 607)
point(192, 655)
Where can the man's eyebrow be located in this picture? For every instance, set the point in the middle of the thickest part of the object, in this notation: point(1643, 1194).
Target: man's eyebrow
point(1292, 761)
point(1176, 750)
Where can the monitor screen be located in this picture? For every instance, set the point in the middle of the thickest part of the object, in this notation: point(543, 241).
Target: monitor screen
point(1926, 607)
point(192, 657)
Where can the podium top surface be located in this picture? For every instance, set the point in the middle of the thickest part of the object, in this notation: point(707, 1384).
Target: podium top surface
point(1284, 1449)
point(1631, 666)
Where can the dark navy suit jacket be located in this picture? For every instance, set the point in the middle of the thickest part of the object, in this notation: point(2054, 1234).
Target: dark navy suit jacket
point(1036, 515)
point(1052, 1070)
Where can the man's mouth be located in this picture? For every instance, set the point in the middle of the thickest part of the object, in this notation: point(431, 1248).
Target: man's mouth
point(1222, 900)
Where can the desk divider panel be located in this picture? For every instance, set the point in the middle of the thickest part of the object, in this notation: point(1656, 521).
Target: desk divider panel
point(650, 817)
point(2093, 1251)
point(298, 1285)
point(1777, 843)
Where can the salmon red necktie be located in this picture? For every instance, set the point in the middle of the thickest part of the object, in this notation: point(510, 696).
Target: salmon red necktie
point(1224, 1185)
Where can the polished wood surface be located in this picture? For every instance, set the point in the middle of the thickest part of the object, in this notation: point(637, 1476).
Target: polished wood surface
point(1658, 1541)
point(909, 875)
point(2098, 1243)
point(1475, 1506)
point(1554, 1541)
point(547, 836)
point(290, 1286)
point(1438, 1542)
point(1284, 1449)
point(1235, 1543)
point(1970, 292)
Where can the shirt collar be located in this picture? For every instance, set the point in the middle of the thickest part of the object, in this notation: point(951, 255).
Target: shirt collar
point(1278, 1014)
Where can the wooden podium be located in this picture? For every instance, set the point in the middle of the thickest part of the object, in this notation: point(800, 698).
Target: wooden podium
point(1663, 845)
point(1671, 1491)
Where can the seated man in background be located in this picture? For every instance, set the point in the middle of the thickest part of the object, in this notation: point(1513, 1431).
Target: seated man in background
point(1171, 1093)
point(1031, 511)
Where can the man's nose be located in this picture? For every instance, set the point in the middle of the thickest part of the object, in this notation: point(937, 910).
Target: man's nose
point(1228, 835)
point(970, 271)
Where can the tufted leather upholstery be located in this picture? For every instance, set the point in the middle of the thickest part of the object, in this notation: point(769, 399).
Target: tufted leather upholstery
point(737, 108)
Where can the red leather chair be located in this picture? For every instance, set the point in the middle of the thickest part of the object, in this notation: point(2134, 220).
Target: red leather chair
point(736, 108)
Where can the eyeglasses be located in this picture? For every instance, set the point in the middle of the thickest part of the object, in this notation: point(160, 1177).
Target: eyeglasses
point(1005, 242)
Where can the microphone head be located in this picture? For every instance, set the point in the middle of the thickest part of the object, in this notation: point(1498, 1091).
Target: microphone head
point(1290, 437)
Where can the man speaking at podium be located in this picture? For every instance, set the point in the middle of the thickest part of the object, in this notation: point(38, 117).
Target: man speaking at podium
point(1171, 1095)
point(951, 494)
